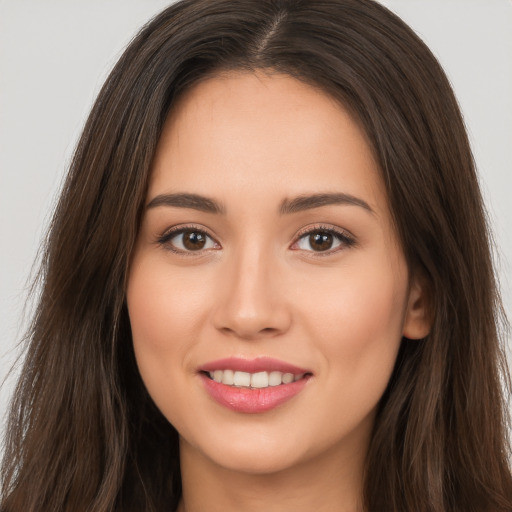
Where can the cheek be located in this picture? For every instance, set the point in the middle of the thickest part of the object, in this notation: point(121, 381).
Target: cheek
point(357, 323)
point(167, 313)
point(164, 307)
point(362, 305)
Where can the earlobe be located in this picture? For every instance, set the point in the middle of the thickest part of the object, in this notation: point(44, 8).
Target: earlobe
point(418, 316)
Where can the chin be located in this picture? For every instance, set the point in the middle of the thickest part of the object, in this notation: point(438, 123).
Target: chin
point(254, 462)
point(250, 453)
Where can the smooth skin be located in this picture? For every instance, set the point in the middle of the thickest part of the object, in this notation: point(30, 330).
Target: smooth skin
point(250, 280)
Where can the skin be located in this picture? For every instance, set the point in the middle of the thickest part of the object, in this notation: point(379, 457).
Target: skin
point(249, 141)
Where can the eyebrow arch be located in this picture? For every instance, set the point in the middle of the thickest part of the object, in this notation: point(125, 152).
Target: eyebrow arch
point(307, 202)
point(184, 200)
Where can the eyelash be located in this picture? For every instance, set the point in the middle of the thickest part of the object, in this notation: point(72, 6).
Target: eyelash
point(345, 239)
point(165, 239)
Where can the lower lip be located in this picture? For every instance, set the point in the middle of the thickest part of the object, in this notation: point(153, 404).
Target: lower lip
point(252, 400)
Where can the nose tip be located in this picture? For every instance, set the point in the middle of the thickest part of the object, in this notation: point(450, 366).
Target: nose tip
point(250, 328)
point(253, 304)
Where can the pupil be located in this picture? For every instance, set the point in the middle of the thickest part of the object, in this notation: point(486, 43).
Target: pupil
point(321, 241)
point(193, 240)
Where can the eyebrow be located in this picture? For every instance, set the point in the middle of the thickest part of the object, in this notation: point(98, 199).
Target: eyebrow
point(307, 202)
point(193, 201)
point(288, 206)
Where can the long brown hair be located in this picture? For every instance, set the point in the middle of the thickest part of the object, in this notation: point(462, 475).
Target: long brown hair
point(85, 436)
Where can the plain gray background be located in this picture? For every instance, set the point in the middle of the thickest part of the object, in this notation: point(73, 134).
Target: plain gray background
point(55, 54)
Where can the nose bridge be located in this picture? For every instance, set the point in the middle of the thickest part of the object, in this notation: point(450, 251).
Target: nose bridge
point(252, 305)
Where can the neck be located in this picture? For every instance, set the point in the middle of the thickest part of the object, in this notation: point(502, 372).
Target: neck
point(326, 483)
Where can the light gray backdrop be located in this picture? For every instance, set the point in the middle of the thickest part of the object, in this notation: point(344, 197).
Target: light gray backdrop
point(55, 54)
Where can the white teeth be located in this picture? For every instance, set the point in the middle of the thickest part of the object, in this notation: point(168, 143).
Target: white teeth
point(242, 379)
point(259, 380)
point(287, 378)
point(275, 378)
point(228, 377)
point(253, 380)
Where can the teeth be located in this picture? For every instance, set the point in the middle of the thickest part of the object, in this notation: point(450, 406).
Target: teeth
point(287, 378)
point(275, 378)
point(259, 380)
point(242, 379)
point(254, 380)
point(228, 377)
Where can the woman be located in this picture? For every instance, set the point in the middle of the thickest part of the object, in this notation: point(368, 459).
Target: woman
point(267, 283)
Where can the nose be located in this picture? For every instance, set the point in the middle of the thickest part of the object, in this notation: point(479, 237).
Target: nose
point(252, 304)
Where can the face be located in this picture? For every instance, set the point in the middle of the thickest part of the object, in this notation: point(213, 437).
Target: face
point(268, 293)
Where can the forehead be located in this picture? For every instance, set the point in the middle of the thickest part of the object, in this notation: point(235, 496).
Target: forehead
point(261, 135)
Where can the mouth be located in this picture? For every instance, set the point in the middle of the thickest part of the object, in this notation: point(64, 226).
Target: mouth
point(253, 386)
point(258, 380)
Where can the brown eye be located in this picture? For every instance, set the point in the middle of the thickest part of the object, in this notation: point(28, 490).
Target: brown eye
point(321, 241)
point(188, 240)
point(193, 240)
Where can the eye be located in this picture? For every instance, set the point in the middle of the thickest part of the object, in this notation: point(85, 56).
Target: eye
point(323, 240)
point(187, 239)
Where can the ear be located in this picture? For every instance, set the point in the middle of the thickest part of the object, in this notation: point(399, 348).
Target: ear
point(418, 316)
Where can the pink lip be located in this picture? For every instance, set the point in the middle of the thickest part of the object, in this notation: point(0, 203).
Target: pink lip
point(252, 400)
point(260, 364)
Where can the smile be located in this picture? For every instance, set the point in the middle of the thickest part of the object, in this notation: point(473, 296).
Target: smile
point(252, 385)
point(253, 380)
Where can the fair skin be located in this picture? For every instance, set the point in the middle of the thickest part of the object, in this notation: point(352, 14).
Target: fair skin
point(257, 283)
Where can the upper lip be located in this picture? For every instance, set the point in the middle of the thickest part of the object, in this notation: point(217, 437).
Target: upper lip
point(259, 364)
